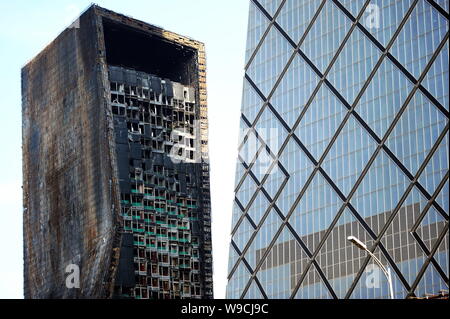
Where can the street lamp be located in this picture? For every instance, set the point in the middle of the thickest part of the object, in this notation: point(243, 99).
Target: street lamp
point(355, 241)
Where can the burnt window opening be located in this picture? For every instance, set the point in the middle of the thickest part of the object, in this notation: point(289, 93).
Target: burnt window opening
point(132, 48)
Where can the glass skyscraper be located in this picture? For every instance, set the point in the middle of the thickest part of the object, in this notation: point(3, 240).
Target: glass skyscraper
point(345, 121)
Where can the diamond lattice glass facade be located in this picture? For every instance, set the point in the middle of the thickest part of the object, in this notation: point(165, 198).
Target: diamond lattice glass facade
point(344, 127)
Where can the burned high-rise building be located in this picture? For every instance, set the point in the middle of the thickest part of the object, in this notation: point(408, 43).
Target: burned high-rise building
point(115, 163)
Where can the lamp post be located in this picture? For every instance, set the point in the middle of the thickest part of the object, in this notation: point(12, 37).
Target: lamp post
point(355, 241)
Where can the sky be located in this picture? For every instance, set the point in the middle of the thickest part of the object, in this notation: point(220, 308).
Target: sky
point(26, 27)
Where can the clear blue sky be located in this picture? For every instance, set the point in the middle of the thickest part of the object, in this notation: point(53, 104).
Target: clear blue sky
point(26, 27)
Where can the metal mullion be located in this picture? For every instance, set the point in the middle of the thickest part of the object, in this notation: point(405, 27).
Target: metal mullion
point(244, 175)
point(272, 109)
point(393, 215)
point(262, 97)
point(324, 279)
point(439, 8)
point(347, 36)
point(245, 210)
point(337, 94)
point(386, 52)
point(317, 88)
point(278, 211)
point(274, 239)
point(302, 277)
point(418, 82)
point(345, 199)
point(247, 265)
point(240, 146)
point(261, 149)
point(330, 228)
point(433, 100)
point(422, 271)
point(429, 203)
point(384, 251)
point(250, 270)
point(292, 43)
point(250, 220)
point(401, 112)
point(345, 204)
point(433, 203)
point(261, 288)
point(341, 126)
point(249, 128)
point(430, 256)
point(323, 76)
point(396, 118)
point(299, 240)
point(437, 266)
point(258, 183)
point(254, 158)
point(285, 68)
point(308, 182)
point(263, 37)
point(311, 23)
point(381, 143)
point(279, 165)
point(241, 256)
point(380, 236)
point(238, 252)
point(263, 144)
point(290, 132)
point(266, 213)
point(243, 213)
point(278, 193)
point(250, 241)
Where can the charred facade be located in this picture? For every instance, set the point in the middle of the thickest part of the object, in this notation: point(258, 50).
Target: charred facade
point(115, 163)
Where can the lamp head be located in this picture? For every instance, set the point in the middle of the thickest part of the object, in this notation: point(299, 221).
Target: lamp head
point(355, 241)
